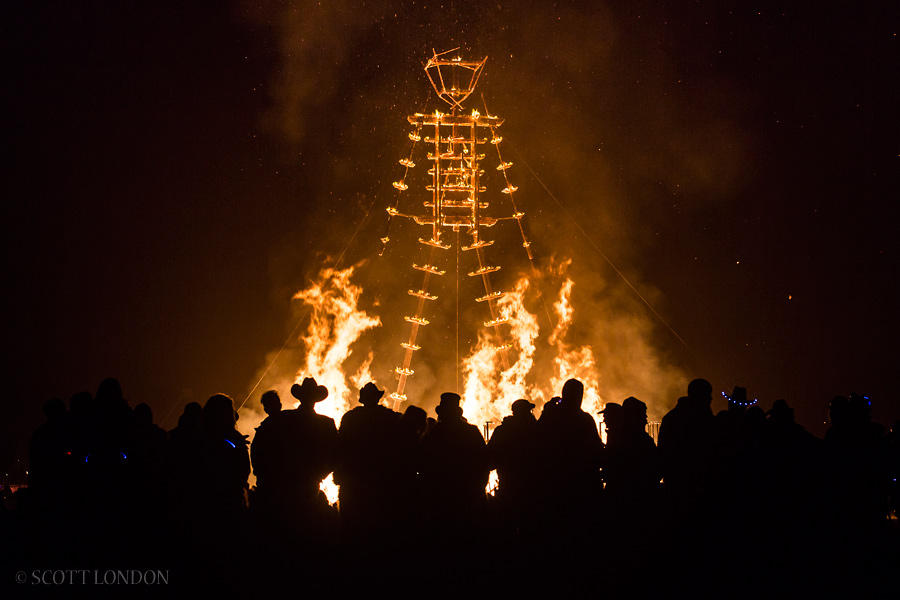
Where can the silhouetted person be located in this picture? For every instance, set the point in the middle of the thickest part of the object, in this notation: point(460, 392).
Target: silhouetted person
point(50, 461)
point(612, 427)
point(857, 455)
point(82, 423)
point(725, 445)
point(292, 454)
point(188, 422)
point(612, 420)
point(514, 452)
point(632, 497)
point(415, 422)
point(370, 470)
point(640, 461)
point(454, 470)
point(571, 452)
point(212, 518)
point(224, 461)
point(108, 456)
point(271, 402)
point(685, 440)
point(183, 464)
point(148, 451)
point(413, 426)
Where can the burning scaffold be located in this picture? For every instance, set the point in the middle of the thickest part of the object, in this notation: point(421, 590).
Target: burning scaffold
point(456, 143)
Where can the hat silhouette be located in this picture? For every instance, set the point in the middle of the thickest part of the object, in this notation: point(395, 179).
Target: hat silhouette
point(522, 406)
point(449, 405)
point(309, 390)
point(370, 394)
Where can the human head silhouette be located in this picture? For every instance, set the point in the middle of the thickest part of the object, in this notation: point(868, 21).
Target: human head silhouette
point(572, 394)
point(634, 413)
point(700, 391)
point(522, 407)
point(612, 416)
point(309, 392)
point(449, 409)
point(370, 395)
point(218, 414)
point(271, 402)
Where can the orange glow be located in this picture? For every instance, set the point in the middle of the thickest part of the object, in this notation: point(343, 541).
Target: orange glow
point(336, 322)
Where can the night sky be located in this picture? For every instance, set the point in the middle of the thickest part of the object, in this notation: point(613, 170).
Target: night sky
point(174, 171)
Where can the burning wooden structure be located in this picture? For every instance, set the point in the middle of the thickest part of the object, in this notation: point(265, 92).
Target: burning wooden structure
point(457, 195)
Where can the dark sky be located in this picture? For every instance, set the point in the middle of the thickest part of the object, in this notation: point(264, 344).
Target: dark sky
point(175, 171)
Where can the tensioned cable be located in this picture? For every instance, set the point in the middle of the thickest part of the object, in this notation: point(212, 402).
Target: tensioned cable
point(510, 188)
point(307, 311)
point(457, 311)
point(597, 248)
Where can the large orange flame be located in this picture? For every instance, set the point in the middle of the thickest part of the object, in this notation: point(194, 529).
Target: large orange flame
point(490, 392)
point(336, 322)
point(487, 397)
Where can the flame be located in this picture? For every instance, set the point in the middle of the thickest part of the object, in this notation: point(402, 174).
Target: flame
point(573, 362)
point(336, 322)
point(487, 399)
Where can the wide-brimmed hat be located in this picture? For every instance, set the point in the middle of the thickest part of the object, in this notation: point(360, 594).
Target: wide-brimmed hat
point(739, 396)
point(370, 393)
point(309, 390)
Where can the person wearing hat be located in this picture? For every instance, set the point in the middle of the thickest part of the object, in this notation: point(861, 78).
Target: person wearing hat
point(612, 421)
point(513, 451)
point(612, 451)
point(369, 469)
point(300, 451)
point(641, 473)
point(454, 469)
point(634, 491)
point(317, 448)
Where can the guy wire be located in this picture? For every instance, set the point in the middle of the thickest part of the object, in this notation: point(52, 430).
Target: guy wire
point(337, 264)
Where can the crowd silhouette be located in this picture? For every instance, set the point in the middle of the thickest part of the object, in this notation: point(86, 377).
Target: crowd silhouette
point(742, 502)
